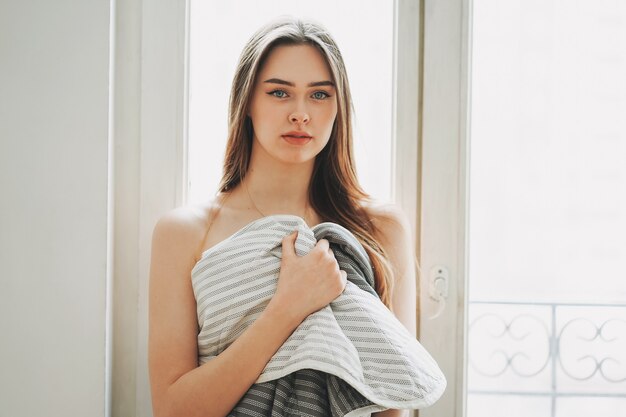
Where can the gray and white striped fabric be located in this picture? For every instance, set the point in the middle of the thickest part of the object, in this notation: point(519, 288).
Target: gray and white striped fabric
point(351, 358)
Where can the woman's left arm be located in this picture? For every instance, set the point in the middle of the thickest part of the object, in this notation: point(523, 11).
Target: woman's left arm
point(395, 237)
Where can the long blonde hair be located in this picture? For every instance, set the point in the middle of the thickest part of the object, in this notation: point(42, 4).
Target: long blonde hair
point(334, 193)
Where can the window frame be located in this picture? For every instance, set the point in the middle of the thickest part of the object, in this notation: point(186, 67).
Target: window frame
point(444, 175)
point(163, 179)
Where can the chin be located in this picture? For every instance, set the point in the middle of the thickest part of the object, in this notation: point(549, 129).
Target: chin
point(296, 158)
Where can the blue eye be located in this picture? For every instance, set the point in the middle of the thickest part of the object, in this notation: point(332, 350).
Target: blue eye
point(277, 91)
point(324, 96)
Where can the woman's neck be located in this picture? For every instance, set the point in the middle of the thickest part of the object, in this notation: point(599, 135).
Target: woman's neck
point(272, 186)
point(277, 190)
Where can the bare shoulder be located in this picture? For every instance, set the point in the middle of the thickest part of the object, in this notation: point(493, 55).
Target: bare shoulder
point(390, 220)
point(393, 231)
point(183, 228)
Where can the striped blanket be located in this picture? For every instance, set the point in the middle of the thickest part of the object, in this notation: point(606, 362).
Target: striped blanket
point(351, 358)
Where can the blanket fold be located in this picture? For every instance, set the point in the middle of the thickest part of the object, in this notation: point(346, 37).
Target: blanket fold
point(350, 358)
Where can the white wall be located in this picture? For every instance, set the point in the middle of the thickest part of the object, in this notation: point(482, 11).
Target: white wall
point(54, 98)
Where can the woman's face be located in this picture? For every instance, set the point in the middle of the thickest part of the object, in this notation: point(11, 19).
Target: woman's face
point(293, 92)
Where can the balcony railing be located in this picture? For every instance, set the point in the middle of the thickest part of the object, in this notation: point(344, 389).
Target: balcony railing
point(547, 350)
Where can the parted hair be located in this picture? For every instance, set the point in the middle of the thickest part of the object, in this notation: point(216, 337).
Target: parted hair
point(334, 191)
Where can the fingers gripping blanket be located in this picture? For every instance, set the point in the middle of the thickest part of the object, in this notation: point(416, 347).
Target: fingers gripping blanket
point(351, 358)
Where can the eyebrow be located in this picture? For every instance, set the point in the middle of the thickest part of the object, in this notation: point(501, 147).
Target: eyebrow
point(290, 84)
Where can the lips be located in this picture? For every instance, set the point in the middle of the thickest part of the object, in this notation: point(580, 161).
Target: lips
point(296, 140)
point(297, 137)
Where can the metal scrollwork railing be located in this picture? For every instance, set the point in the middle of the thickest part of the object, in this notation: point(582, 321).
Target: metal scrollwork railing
point(518, 330)
point(596, 364)
point(550, 350)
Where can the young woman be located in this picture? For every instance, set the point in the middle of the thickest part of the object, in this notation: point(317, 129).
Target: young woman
point(289, 152)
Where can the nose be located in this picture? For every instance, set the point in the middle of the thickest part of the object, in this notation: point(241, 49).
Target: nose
point(299, 117)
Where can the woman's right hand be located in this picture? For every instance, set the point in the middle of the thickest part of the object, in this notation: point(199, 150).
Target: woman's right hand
point(307, 283)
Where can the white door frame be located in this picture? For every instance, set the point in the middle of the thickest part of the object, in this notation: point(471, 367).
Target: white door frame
point(150, 108)
point(444, 196)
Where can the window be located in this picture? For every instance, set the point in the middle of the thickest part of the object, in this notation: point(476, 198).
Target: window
point(523, 206)
point(547, 318)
